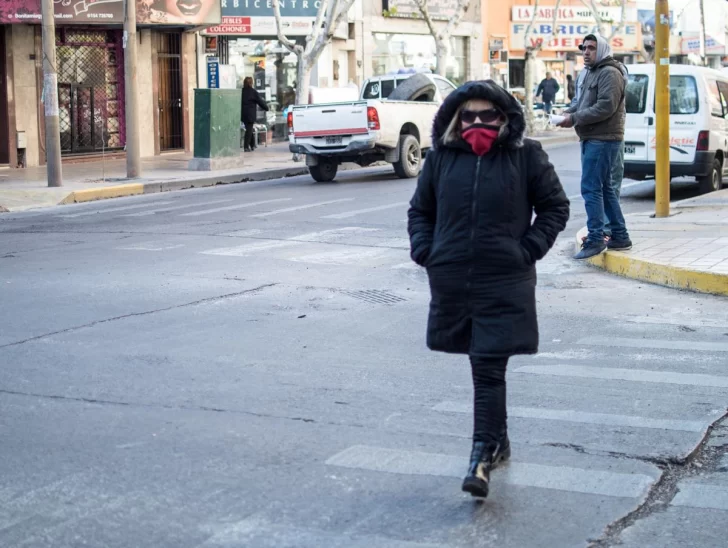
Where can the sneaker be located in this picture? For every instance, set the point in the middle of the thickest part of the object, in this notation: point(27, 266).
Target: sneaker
point(620, 245)
point(590, 249)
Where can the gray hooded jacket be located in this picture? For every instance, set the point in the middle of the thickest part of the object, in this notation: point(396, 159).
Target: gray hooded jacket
point(599, 112)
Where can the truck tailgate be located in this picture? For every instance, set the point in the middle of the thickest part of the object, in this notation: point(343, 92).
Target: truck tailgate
point(330, 119)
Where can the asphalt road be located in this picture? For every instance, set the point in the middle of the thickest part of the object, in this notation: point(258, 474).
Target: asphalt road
point(245, 366)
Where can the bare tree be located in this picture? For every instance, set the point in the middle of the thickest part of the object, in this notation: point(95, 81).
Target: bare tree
point(331, 14)
point(443, 33)
point(608, 28)
point(532, 48)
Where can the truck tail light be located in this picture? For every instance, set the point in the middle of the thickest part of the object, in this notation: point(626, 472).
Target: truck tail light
point(373, 119)
point(703, 141)
point(290, 122)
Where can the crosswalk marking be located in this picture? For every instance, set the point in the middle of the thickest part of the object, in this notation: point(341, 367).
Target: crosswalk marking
point(323, 236)
point(636, 375)
point(700, 495)
point(149, 246)
point(175, 208)
point(584, 417)
point(343, 256)
point(655, 343)
point(114, 209)
point(349, 214)
point(561, 478)
point(301, 207)
point(232, 207)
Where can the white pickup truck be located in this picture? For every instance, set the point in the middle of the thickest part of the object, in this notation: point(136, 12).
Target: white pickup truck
point(368, 130)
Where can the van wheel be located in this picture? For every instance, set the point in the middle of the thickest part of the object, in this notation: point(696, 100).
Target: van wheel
point(410, 157)
point(714, 180)
point(324, 171)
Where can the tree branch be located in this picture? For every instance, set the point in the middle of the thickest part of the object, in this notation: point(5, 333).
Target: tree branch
point(460, 11)
point(620, 25)
point(425, 11)
point(529, 28)
point(282, 38)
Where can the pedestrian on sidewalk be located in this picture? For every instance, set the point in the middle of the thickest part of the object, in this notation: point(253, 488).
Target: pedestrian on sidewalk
point(547, 90)
point(470, 227)
point(249, 112)
point(599, 116)
point(570, 88)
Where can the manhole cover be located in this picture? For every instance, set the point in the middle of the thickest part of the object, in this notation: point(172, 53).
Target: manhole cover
point(375, 296)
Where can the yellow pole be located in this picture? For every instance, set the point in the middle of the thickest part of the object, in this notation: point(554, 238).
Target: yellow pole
point(662, 108)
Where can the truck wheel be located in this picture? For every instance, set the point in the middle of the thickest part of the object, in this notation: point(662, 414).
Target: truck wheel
point(410, 157)
point(714, 180)
point(325, 171)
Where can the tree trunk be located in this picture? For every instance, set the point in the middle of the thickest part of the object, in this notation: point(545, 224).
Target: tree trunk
point(528, 95)
point(303, 74)
point(442, 53)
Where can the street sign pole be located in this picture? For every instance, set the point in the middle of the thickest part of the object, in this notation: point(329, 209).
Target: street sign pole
point(662, 108)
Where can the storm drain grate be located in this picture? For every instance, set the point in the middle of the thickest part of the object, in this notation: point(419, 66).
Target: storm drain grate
point(375, 296)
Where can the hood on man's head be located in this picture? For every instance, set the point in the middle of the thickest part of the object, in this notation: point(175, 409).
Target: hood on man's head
point(512, 134)
point(604, 50)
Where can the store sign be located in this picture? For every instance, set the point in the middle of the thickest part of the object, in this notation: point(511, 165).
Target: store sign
point(442, 10)
point(495, 44)
point(690, 43)
point(105, 12)
point(571, 14)
point(213, 72)
point(569, 37)
point(264, 8)
point(262, 26)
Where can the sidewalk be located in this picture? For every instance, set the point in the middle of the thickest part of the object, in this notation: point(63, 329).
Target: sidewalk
point(22, 189)
point(688, 250)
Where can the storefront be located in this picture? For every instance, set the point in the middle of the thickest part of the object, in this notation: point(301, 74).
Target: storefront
point(90, 69)
point(246, 41)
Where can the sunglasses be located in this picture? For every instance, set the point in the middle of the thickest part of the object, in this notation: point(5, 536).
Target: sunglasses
point(485, 116)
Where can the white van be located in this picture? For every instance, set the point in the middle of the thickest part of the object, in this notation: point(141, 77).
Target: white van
point(698, 124)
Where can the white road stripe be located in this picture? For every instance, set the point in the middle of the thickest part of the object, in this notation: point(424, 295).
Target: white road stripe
point(634, 375)
point(561, 478)
point(175, 208)
point(149, 246)
point(113, 209)
point(655, 343)
point(232, 207)
point(345, 256)
point(349, 214)
point(301, 207)
point(700, 495)
point(323, 236)
point(585, 418)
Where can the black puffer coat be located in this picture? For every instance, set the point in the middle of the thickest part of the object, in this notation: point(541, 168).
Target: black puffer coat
point(470, 226)
point(250, 100)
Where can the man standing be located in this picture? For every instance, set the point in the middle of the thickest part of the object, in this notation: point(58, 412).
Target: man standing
point(599, 117)
point(547, 90)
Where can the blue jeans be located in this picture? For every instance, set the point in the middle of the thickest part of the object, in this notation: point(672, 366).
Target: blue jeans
point(547, 105)
point(597, 161)
point(617, 176)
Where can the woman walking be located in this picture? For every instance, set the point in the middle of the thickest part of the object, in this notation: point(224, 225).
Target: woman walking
point(470, 225)
point(250, 101)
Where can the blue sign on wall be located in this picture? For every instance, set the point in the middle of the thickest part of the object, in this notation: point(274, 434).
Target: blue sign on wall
point(213, 72)
point(264, 8)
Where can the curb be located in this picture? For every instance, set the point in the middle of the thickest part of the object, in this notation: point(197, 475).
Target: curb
point(628, 266)
point(92, 194)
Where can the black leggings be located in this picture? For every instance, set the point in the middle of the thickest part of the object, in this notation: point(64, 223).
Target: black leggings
point(489, 410)
point(249, 140)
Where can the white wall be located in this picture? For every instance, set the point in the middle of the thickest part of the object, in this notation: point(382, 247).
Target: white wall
point(26, 98)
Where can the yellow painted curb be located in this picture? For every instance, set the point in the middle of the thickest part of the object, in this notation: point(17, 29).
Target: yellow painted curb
point(623, 264)
point(103, 193)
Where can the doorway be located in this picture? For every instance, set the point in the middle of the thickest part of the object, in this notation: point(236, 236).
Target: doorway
point(169, 97)
point(4, 129)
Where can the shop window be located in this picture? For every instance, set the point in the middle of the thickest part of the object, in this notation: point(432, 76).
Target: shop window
point(517, 73)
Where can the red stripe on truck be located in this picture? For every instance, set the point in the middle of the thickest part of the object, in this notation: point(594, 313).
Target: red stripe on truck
point(323, 133)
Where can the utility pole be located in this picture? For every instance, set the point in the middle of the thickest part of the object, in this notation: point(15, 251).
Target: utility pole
point(131, 88)
point(662, 108)
point(703, 36)
point(50, 96)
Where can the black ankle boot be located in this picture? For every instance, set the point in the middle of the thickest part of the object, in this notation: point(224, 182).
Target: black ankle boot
point(477, 480)
point(503, 453)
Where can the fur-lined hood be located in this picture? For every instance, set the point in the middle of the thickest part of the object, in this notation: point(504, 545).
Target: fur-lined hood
point(512, 136)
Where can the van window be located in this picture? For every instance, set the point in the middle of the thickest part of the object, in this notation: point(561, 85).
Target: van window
point(716, 104)
point(723, 87)
point(683, 95)
point(378, 89)
point(636, 93)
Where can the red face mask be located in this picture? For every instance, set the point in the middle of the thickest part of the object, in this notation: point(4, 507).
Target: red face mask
point(481, 137)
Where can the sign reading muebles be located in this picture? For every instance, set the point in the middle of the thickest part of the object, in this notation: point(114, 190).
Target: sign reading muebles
point(568, 36)
point(105, 12)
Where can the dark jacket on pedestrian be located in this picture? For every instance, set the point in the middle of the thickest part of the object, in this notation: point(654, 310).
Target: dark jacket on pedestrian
point(599, 113)
point(547, 89)
point(470, 226)
point(251, 100)
point(571, 89)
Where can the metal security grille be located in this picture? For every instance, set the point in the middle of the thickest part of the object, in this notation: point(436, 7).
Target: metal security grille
point(90, 90)
point(170, 90)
